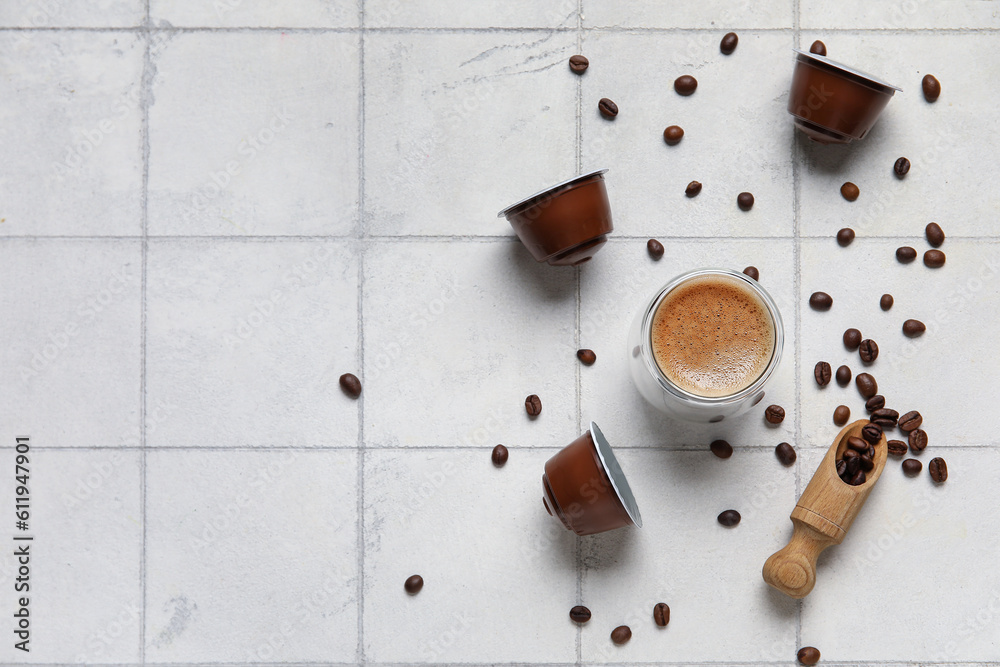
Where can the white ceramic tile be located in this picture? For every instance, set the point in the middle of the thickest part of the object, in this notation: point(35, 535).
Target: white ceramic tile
point(618, 283)
point(457, 335)
point(263, 141)
point(708, 574)
point(84, 594)
point(719, 14)
point(489, 118)
point(60, 13)
point(257, 13)
point(493, 598)
point(71, 330)
point(934, 374)
point(921, 550)
point(71, 144)
point(912, 14)
point(647, 178)
point(463, 14)
point(945, 142)
point(251, 556)
point(246, 343)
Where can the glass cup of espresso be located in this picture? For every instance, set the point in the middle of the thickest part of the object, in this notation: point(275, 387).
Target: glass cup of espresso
point(705, 345)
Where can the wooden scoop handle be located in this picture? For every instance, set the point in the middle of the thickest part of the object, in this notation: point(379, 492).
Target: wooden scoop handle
point(792, 570)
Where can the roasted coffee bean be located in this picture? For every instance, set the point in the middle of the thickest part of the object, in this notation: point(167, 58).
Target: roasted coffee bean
point(728, 43)
point(938, 470)
point(499, 456)
point(901, 167)
point(607, 108)
point(661, 614)
point(533, 405)
point(655, 249)
point(872, 432)
point(853, 464)
point(822, 373)
point(859, 478)
point(586, 357)
point(885, 303)
point(818, 47)
point(621, 635)
point(866, 385)
point(856, 444)
point(874, 403)
point(579, 64)
point(744, 201)
point(934, 259)
point(897, 448)
point(931, 87)
point(721, 448)
point(579, 614)
point(885, 417)
point(350, 384)
point(852, 339)
point(809, 655)
point(905, 254)
point(841, 468)
point(729, 518)
point(785, 453)
point(866, 462)
point(843, 376)
point(868, 350)
point(693, 188)
point(913, 328)
point(850, 191)
point(871, 452)
point(934, 233)
point(673, 135)
point(413, 584)
point(845, 236)
point(852, 452)
point(841, 415)
point(685, 85)
point(912, 467)
point(774, 414)
point(918, 440)
point(820, 301)
point(910, 421)
point(752, 272)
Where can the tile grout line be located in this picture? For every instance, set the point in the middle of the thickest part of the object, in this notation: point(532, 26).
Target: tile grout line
point(472, 238)
point(579, 310)
point(489, 29)
point(360, 354)
point(146, 83)
point(797, 258)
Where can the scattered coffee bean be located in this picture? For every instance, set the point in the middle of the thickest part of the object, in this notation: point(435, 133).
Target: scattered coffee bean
point(841, 414)
point(414, 584)
point(673, 135)
point(841, 468)
point(931, 87)
point(934, 259)
point(586, 357)
point(913, 328)
point(744, 201)
point(350, 384)
point(822, 373)
point(774, 414)
point(868, 350)
point(533, 405)
point(621, 635)
point(866, 385)
point(661, 614)
point(721, 448)
point(579, 64)
point(912, 467)
point(874, 403)
point(934, 233)
point(910, 421)
point(693, 188)
point(885, 303)
point(728, 43)
point(897, 448)
point(785, 453)
point(901, 167)
point(906, 254)
point(607, 108)
point(685, 85)
point(843, 376)
point(818, 47)
point(850, 191)
point(938, 470)
point(729, 518)
point(752, 272)
point(655, 249)
point(872, 433)
point(918, 440)
point(845, 236)
point(820, 301)
point(499, 456)
point(579, 614)
point(852, 339)
point(885, 417)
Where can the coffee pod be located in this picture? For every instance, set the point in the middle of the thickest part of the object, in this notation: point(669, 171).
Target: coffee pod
point(835, 103)
point(586, 489)
point(564, 225)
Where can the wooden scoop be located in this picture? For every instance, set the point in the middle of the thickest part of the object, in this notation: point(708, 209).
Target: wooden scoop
point(822, 517)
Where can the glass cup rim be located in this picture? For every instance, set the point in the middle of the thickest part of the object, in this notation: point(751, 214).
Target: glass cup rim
point(665, 383)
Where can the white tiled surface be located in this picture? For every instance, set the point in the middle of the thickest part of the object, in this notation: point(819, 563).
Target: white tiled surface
point(255, 197)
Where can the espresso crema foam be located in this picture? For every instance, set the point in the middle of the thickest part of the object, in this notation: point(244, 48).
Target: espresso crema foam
point(712, 336)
